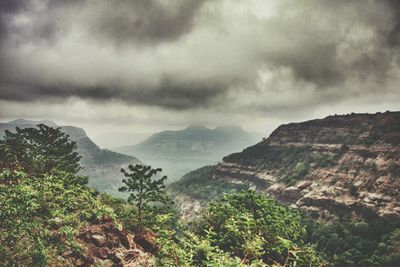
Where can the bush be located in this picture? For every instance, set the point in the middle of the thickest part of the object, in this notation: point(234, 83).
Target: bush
point(352, 189)
point(253, 227)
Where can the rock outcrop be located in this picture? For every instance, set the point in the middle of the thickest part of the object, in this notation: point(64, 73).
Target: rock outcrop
point(105, 244)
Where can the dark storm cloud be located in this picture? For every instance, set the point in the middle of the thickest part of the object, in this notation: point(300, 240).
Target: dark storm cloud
point(146, 21)
point(316, 63)
point(393, 36)
point(8, 8)
point(117, 21)
point(170, 93)
point(186, 54)
point(313, 48)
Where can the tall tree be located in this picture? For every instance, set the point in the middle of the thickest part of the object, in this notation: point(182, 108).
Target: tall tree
point(39, 150)
point(144, 189)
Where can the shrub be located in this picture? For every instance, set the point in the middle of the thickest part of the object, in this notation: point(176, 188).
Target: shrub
point(253, 227)
point(352, 189)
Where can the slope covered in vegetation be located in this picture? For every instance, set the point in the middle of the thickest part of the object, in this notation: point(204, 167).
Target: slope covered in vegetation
point(51, 218)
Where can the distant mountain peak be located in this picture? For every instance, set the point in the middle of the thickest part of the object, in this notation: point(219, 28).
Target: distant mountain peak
point(196, 127)
point(22, 121)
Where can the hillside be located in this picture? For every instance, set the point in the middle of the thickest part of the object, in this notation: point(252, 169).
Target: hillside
point(102, 166)
point(348, 164)
point(50, 217)
point(178, 152)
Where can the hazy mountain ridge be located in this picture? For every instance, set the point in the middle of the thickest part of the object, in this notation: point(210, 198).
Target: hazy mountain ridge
point(348, 164)
point(101, 165)
point(178, 152)
point(119, 139)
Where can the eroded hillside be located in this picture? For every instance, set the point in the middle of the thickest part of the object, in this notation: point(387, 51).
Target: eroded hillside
point(348, 163)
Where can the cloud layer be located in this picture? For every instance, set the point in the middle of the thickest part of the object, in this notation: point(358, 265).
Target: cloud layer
point(219, 58)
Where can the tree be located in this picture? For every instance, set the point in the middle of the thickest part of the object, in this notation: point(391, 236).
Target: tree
point(39, 150)
point(144, 189)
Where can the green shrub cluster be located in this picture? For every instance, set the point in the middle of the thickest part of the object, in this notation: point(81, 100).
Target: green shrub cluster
point(201, 185)
point(254, 228)
point(242, 229)
point(41, 216)
point(370, 243)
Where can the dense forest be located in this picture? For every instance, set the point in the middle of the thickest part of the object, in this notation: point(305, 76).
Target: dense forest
point(50, 217)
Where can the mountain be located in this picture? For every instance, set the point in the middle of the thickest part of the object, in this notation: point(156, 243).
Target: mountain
point(101, 165)
point(118, 139)
point(348, 164)
point(178, 152)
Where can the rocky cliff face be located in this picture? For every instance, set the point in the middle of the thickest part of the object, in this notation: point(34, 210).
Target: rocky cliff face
point(341, 164)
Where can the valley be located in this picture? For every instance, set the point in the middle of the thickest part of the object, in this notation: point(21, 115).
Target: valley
point(330, 186)
point(178, 152)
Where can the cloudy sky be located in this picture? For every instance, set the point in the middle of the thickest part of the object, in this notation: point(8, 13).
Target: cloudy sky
point(147, 65)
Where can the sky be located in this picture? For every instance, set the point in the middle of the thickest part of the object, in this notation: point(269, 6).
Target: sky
point(150, 65)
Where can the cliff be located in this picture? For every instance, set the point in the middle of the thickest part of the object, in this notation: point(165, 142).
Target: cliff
point(348, 164)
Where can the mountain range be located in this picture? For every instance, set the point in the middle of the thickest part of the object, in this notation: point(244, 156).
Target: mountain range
point(100, 165)
point(178, 152)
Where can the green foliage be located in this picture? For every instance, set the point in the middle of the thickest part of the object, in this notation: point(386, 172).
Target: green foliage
point(43, 203)
point(38, 151)
point(187, 249)
point(352, 189)
point(201, 185)
point(372, 243)
point(393, 248)
point(40, 216)
point(253, 227)
point(145, 191)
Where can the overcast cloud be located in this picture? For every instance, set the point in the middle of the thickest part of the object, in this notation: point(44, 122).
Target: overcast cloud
point(146, 65)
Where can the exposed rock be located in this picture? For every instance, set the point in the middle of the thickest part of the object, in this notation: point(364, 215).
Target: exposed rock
point(147, 240)
point(290, 194)
point(99, 240)
point(107, 245)
point(103, 253)
point(303, 184)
